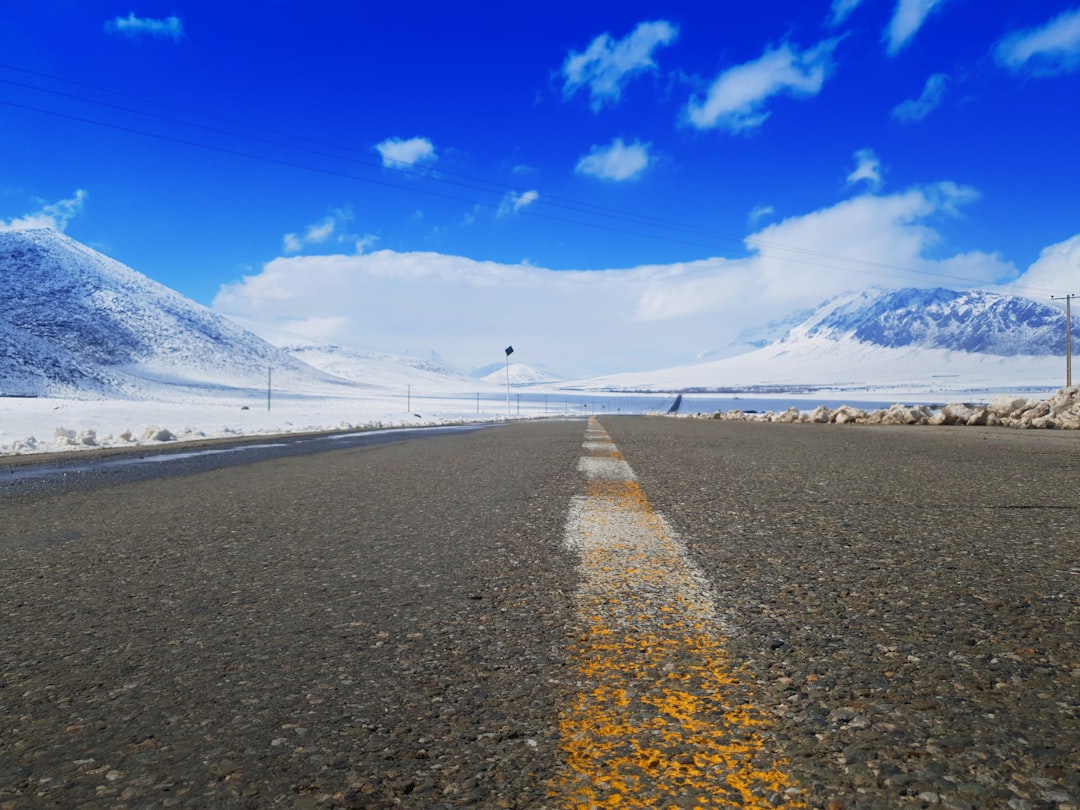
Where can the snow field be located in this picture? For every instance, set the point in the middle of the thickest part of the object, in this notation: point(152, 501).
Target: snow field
point(48, 425)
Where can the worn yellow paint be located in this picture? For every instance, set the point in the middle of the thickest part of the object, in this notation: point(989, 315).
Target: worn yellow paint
point(660, 718)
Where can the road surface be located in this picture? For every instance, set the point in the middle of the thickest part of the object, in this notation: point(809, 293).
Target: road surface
point(628, 612)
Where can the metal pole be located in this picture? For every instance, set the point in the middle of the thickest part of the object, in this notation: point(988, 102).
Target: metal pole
point(269, 371)
point(507, 385)
point(1068, 335)
point(408, 398)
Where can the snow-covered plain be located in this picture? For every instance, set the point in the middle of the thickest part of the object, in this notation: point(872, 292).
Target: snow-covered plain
point(381, 393)
point(41, 425)
point(849, 367)
point(50, 425)
point(372, 390)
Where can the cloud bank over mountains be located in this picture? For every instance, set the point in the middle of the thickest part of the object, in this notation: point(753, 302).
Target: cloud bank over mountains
point(599, 320)
point(595, 320)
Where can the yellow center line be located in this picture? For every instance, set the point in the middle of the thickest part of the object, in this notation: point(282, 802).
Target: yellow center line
point(660, 719)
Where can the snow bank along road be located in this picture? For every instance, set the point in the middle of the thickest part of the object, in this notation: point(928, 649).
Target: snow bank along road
point(637, 612)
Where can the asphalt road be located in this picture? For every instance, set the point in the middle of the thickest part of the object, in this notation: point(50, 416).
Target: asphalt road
point(59, 473)
point(405, 624)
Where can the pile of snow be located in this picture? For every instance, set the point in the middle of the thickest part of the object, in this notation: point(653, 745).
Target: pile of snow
point(1061, 411)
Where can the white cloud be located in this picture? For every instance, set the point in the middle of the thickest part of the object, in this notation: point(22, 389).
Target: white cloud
point(291, 243)
point(608, 64)
point(132, 26)
point(55, 216)
point(615, 162)
point(609, 319)
point(867, 169)
point(366, 241)
point(1048, 50)
point(736, 98)
point(866, 241)
point(841, 9)
point(398, 153)
point(908, 17)
point(320, 232)
point(512, 202)
point(759, 213)
point(916, 109)
point(1053, 273)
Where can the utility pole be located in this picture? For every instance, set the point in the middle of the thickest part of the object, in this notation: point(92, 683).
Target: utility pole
point(269, 372)
point(1068, 335)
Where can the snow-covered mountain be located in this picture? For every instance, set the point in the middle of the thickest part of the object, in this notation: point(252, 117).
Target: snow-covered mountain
point(973, 321)
point(74, 322)
point(902, 340)
point(520, 374)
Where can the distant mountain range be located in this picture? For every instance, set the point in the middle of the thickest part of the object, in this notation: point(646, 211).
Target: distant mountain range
point(379, 369)
point(74, 322)
point(970, 321)
point(909, 339)
point(519, 374)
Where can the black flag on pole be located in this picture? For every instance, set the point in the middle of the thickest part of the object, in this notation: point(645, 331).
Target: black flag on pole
point(509, 350)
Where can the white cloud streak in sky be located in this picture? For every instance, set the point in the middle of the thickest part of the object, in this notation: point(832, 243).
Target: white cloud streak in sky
point(608, 64)
point(132, 26)
point(1048, 50)
point(841, 10)
point(759, 213)
point(583, 322)
point(867, 170)
point(618, 161)
point(735, 100)
point(398, 153)
point(908, 17)
point(916, 109)
point(55, 216)
point(514, 202)
point(320, 232)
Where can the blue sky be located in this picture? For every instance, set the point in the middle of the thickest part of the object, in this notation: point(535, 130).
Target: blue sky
point(607, 186)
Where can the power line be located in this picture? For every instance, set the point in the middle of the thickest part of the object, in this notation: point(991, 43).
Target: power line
point(688, 234)
point(356, 156)
point(330, 172)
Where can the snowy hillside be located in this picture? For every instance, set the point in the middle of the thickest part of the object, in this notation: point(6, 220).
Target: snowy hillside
point(75, 322)
point(904, 340)
point(970, 321)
